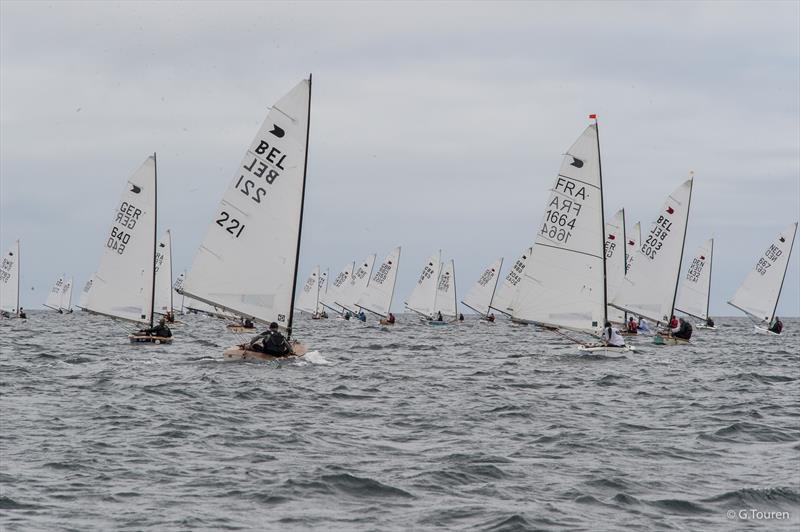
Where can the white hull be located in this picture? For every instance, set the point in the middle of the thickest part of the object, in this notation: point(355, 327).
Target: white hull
point(762, 330)
point(704, 326)
point(597, 348)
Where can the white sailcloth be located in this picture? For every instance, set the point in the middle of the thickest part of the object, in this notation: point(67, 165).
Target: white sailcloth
point(423, 297)
point(164, 274)
point(446, 301)
point(505, 294)
point(377, 297)
point(352, 291)
point(650, 287)
point(323, 289)
point(563, 284)
point(308, 299)
point(694, 291)
point(85, 293)
point(479, 297)
point(615, 259)
point(54, 296)
point(759, 293)
point(634, 237)
point(66, 295)
point(122, 286)
point(177, 288)
point(9, 280)
point(335, 289)
point(247, 261)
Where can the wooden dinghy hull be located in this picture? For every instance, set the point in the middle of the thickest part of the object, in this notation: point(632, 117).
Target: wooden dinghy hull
point(597, 348)
point(240, 329)
point(239, 352)
point(386, 322)
point(147, 339)
point(669, 340)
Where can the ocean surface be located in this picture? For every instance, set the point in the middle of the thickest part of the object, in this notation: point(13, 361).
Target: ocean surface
point(472, 426)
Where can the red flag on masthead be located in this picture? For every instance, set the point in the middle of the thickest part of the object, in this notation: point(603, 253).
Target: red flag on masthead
point(593, 116)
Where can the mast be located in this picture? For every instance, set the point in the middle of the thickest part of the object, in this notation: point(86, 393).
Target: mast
point(775, 309)
point(455, 296)
point(680, 262)
point(171, 303)
point(394, 284)
point(155, 237)
point(19, 276)
point(710, 263)
point(624, 256)
point(603, 224)
point(300, 225)
point(496, 280)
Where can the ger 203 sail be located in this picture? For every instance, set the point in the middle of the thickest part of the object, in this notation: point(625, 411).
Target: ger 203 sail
point(247, 263)
point(124, 285)
point(694, 293)
point(423, 297)
point(9, 283)
point(651, 285)
point(760, 292)
point(505, 294)
point(480, 296)
point(377, 297)
point(564, 285)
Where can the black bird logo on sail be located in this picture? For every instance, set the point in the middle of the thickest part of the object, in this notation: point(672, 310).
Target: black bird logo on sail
point(631, 243)
point(135, 189)
point(577, 163)
point(612, 237)
point(670, 210)
point(277, 131)
point(389, 262)
point(782, 239)
point(702, 257)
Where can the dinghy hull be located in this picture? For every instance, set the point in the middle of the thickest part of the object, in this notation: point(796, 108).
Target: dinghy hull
point(240, 329)
point(669, 340)
point(147, 339)
point(597, 348)
point(704, 326)
point(762, 330)
point(239, 352)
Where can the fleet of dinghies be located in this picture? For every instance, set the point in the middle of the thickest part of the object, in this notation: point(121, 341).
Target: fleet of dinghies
point(582, 274)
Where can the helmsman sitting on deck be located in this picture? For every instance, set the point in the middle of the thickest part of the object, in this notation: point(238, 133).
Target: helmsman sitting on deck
point(776, 326)
point(633, 328)
point(611, 336)
point(709, 322)
point(643, 325)
point(158, 330)
point(271, 342)
point(683, 330)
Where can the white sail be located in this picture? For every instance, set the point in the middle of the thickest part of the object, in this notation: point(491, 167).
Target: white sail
point(352, 291)
point(479, 298)
point(66, 295)
point(377, 297)
point(164, 302)
point(759, 293)
point(423, 297)
point(335, 289)
point(634, 238)
point(615, 260)
point(9, 280)
point(446, 301)
point(695, 288)
point(177, 289)
point(247, 261)
point(505, 294)
point(309, 293)
point(123, 284)
point(650, 286)
point(323, 289)
point(563, 285)
point(85, 293)
point(54, 295)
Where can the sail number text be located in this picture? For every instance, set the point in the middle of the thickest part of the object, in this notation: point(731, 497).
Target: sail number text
point(768, 259)
point(695, 269)
point(515, 275)
point(655, 240)
point(562, 213)
point(381, 274)
point(231, 225)
point(5, 270)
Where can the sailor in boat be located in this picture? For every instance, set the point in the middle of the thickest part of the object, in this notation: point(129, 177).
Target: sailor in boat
point(460, 317)
point(347, 315)
point(390, 319)
point(4, 314)
point(490, 318)
point(709, 322)
point(158, 330)
point(776, 326)
point(682, 331)
point(169, 317)
point(633, 328)
point(24, 316)
point(271, 342)
point(673, 322)
point(643, 325)
point(361, 315)
point(439, 316)
point(612, 337)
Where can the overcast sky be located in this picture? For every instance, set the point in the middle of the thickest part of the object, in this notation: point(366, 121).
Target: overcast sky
point(434, 125)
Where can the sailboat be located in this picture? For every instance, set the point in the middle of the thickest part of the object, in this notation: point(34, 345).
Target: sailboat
point(651, 285)
point(60, 296)
point(308, 300)
point(247, 263)
point(164, 300)
point(84, 297)
point(481, 295)
point(564, 285)
point(422, 300)
point(9, 284)
point(758, 295)
point(378, 295)
point(328, 299)
point(446, 301)
point(323, 291)
point(694, 294)
point(505, 294)
point(348, 296)
point(124, 285)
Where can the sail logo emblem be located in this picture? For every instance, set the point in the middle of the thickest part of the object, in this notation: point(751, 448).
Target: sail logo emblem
point(277, 131)
point(612, 237)
point(670, 210)
point(631, 243)
point(135, 189)
point(702, 257)
point(577, 163)
point(782, 239)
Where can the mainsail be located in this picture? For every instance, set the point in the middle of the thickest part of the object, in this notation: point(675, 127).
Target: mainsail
point(85, 293)
point(446, 298)
point(505, 294)
point(616, 259)
point(308, 300)
point(423, 297)
point(333, 292)
point(122, 287)
point(695, 290)
point(247, 262)
point(352, 291)
point(53, 300)
point(164, 301)
point(9, 280)
point(479, 298)
point(759, 293)
point(564, 280)
point(634, 239)
point(377, 298)
point(650, 287)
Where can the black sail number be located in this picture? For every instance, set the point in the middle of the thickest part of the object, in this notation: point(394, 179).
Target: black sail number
point(249, 189)
point(231, 225)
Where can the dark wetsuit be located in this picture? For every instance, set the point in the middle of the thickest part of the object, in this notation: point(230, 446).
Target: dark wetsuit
point(685, 331)
point(777, 327)
point(158, 330)
point(272, 343)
